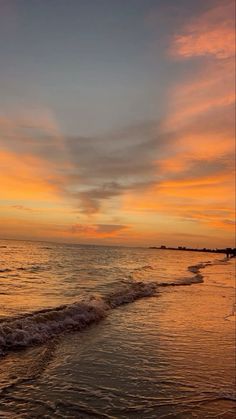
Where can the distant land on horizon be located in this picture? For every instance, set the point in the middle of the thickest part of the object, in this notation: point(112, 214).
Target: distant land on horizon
point(232, 250)
point(228, 250)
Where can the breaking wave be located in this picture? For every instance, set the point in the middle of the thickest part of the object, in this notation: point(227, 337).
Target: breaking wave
point(39, 327)
point(134, 291)
point(196, 279)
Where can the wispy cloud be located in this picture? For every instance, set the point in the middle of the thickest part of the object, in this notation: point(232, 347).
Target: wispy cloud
point(196, 178)
point(210, 34)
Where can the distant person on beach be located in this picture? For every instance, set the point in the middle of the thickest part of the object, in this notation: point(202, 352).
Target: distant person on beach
point(233, 253)
point(228, 252)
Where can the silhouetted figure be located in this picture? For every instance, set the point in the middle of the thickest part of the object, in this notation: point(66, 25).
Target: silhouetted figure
point(228, 252)
point(233, 253)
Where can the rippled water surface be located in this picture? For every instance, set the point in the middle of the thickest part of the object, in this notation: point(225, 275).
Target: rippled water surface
point(152, 349)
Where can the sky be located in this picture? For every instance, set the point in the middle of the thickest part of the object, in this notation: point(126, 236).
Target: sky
point(117, 121)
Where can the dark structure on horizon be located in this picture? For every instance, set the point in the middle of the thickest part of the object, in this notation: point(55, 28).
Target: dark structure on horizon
point(230, 252)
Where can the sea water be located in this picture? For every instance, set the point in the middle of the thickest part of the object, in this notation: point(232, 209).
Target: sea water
point(114, 332)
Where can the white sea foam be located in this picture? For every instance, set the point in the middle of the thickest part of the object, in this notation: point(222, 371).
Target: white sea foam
point(197, 279)
point(134, 291)
point(40, 326)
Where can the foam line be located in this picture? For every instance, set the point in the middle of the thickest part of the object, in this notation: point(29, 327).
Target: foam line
point(39, 327)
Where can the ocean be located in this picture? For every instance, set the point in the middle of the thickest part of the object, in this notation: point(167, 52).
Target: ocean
point(115, 332)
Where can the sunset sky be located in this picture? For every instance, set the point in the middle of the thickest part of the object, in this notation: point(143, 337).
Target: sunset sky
point(117, 121)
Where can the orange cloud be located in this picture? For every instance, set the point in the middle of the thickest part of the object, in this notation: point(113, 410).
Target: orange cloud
point(211, 34)
point(197, 178)
point(97, 230)
point(211, 37)
point(24, 178)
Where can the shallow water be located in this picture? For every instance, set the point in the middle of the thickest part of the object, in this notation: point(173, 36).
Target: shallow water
point(168, 353)
point(36, 275)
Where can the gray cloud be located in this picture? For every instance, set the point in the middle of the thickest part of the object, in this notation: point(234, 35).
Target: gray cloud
point(103, 168)
point(91, 170)
point(94, 170)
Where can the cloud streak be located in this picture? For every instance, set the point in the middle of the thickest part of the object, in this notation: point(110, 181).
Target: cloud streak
point(196, 179)
point(97, 230)
point(212, 34)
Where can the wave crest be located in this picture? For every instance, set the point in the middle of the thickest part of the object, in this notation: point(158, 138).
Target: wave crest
point(38, 327)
